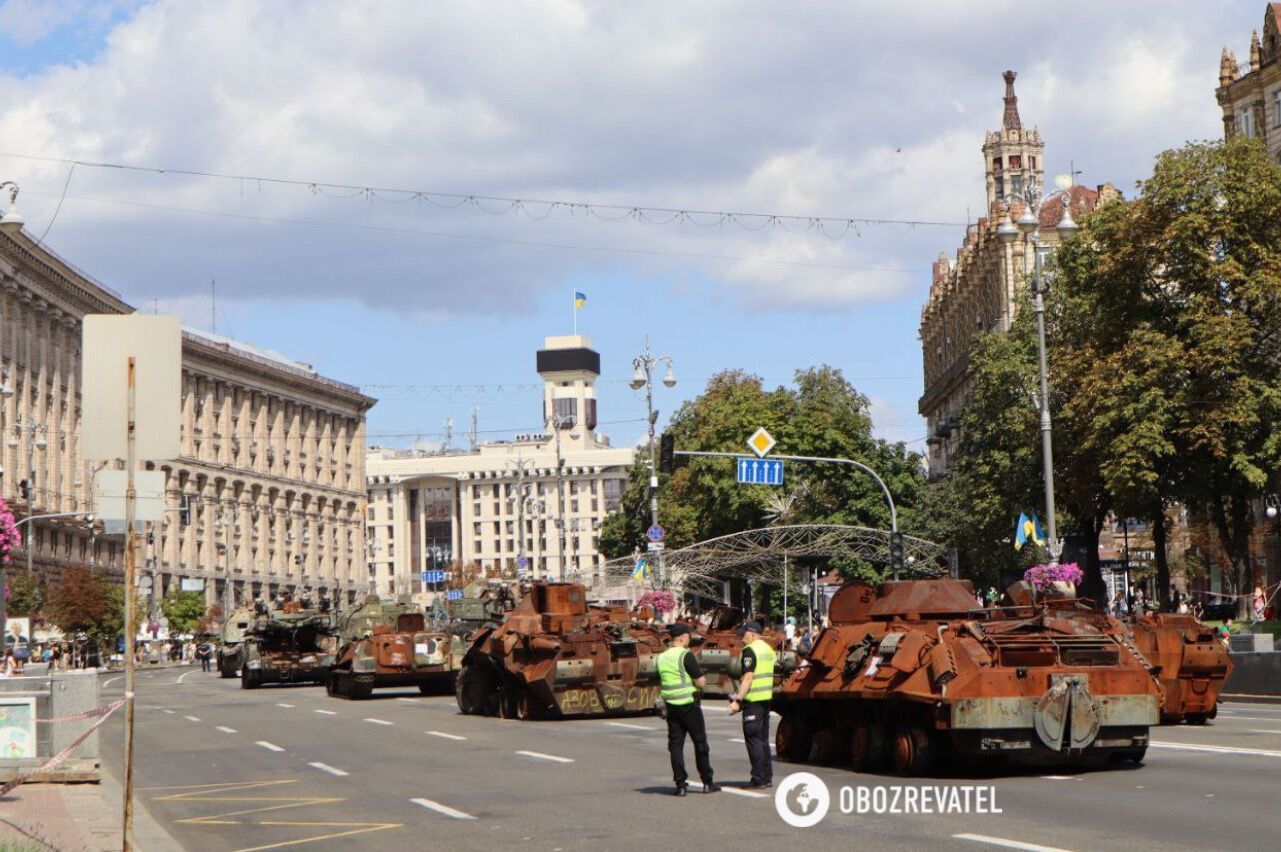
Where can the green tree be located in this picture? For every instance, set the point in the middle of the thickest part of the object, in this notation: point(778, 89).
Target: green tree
point(184, 610)
point(88, 602)
point(26, 594)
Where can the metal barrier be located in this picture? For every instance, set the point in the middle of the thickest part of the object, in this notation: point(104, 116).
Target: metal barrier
point(53, 697)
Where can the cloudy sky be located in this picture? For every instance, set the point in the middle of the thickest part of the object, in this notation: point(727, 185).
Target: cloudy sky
point(872, 110)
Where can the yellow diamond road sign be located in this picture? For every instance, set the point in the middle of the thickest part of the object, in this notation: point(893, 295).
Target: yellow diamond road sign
point(761, 442)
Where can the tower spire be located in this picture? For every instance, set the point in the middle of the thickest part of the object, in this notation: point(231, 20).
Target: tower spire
point(1011, 119)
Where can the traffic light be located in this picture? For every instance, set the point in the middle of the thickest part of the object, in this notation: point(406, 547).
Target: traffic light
point(667, 452)
point(896, 552)
point(24, 488)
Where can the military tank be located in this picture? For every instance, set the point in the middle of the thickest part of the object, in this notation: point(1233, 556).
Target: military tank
point(718, 648)
point(230, 653)
point(554, 656)
point(1190, 663)
point(293, 644)
point(912, 672)
point(387, 643)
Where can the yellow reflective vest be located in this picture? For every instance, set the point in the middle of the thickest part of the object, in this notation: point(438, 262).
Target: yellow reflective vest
point(762, 688)
point(675, 685)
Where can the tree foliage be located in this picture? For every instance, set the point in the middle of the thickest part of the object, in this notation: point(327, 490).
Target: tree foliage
point(184, 610)
point(87, 602)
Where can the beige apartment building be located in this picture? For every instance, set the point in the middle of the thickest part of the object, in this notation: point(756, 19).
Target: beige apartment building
point(505, 500)
point(1250, 96)
point(978, 290)
point(272, 467)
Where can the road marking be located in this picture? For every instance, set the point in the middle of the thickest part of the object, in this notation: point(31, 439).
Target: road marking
point(108, 681)
point(441, 809)
point(1059, 777)
point(1261, 752)
point(737, 740)
point(541, 756)
point(167, 710)
point(739, 791)
point(180, 677)
point(328, 712)
point(633, 727)
point(414, 700)
point(446, 736)
point(1008, 844)
point(379, 721)
point(269, 746)
point(282, 704)
point(1227, 716)
point(1265, 731)
point(225, 729)
point(192, 718)
point(325, 767)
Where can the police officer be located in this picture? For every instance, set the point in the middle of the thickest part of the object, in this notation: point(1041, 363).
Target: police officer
point(680, 679)
point(752, 698)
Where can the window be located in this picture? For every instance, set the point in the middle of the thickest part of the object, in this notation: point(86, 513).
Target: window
point(1245, 122)
point(1276, 108)
point(613, 494)
point(566, 408)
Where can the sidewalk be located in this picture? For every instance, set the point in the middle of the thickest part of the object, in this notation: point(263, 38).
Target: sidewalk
point(75, 818)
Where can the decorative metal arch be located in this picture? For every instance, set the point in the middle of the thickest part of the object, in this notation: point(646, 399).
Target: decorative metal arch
point(758, 555)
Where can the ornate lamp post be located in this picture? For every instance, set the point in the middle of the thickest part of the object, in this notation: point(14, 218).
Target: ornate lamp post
point(643, 377)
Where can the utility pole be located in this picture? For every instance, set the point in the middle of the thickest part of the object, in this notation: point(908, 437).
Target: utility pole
point(643, 377)
point(558, 423)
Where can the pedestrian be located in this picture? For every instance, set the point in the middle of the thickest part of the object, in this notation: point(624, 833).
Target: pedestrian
point(10, 667)
point(1119, 605)
point(680, 681)
point(753, 698)
point(789, 632)
point(205, 654)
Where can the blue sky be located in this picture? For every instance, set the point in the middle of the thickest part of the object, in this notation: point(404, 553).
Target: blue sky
point(851, 109)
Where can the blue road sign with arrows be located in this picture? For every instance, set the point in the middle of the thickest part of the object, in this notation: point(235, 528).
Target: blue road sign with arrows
point(760, 471)
point(454, 594)
point(433, 576)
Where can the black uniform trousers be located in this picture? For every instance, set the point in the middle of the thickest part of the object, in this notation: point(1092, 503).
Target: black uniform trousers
point(756, 735)
point(688, 719)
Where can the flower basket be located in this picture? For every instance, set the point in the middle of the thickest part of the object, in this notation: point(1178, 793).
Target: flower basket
point(663, 602)
point(1055, 579)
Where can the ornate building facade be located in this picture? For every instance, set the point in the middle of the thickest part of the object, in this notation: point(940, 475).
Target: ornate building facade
point(977, 291)
point(1250, 96)
point(268, 492)
point(504, 500)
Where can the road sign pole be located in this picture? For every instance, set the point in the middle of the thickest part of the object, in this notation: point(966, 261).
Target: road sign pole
point(130, 592)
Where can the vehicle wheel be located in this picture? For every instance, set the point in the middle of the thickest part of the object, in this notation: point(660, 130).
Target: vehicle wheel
point(791, 740)
point(912, 751)
point(1129, 755)
point(465, 691)
point(1197, 718)
point(824, 748)
point(331, 685)
point(867, 747)
point(359, 691)
point(224, 670)
point(248, 680)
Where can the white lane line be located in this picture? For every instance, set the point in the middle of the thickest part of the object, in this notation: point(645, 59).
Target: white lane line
point(1265, 731)
point(633, 727)
point(328, 712)
point(379, 721)
point(180, 677)
point(167, 710)
point(1008, 844)
point(325, 767)
point(282, 704)
point(269, 746)
point(415, 701)
point(192, 718)
point(225, 729)
point(1059, 777)
point(1234, 717)
point(739, 791)
point(441, 809)
point(737, 740)
point(108, 681)
point(446, 736)
point(1261, 752)
point(551, 757)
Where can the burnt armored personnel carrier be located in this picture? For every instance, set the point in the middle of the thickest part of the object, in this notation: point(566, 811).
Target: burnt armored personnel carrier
point(230, 653)
point(911, 672)
point(387, 643)
point(718, 648)
point(292, 645)
point(555, 656)
point(1190, 663)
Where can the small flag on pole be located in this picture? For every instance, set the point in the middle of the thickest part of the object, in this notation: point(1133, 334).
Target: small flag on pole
point(1028, 529)
point(580, 299)
point(641, 572)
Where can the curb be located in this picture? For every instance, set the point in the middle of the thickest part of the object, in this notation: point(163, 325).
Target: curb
point(148, 834)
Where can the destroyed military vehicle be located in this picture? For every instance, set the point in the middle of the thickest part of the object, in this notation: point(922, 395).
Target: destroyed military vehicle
point(387, 643)
point(230, 653)
point(288, 645)
point(1187, 659)
point(718, 648)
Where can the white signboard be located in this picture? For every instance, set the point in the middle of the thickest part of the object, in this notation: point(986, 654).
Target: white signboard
point(192, 584)
point(17, 728)
point(109, 495)
point(155, 343)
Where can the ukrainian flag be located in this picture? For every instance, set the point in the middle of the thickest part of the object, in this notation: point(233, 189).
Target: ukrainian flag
point(580, 299)
point(641, 572)
point(1028, 528)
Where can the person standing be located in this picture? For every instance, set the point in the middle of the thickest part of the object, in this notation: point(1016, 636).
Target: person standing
point(753, 698)
point(789, 632)
point(205, 653)
point(680, 681)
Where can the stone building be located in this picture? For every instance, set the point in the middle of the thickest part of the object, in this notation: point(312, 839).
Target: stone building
point(1250, 96)
point(272, 467)
point(504, 500)
point(977, 291)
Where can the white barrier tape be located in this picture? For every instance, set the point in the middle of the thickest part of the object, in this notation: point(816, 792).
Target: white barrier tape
point(57, 759)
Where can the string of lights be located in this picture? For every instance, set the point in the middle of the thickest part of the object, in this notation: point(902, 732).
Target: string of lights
point(537, 209)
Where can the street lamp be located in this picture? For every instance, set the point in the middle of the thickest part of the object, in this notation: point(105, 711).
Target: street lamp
point(643, 377)
point(557, 422)
point(1028, 224)
point(11, 222)
point(35, 441)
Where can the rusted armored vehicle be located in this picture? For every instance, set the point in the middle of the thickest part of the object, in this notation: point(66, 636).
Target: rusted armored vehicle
point(230, 654)
point(1190, 663)
point(911, 672)
point(387, 643)
point(555, 656)
point(718, 646)
point(288, 645)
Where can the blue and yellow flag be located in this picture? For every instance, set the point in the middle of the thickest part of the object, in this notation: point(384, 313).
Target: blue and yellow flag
point(641, 572)
point(1028, 529)
point(580, 299)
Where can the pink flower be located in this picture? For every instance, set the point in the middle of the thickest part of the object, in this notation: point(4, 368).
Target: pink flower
point(1045, 576)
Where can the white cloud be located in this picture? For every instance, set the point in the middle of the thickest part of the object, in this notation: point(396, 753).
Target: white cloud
point(859, 109)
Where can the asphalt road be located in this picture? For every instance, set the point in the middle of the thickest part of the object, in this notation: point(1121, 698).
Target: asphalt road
point(223, 768)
